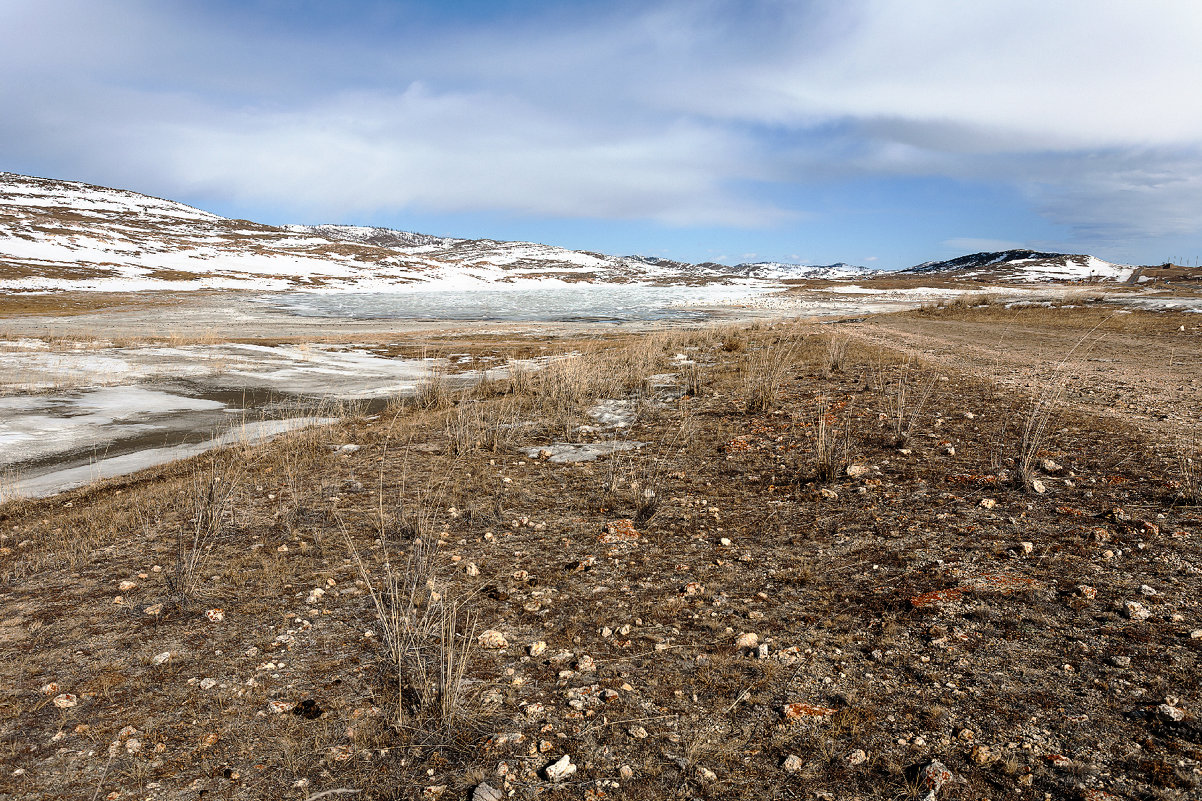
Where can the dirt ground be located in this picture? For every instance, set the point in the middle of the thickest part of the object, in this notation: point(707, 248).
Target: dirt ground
point(812, 566)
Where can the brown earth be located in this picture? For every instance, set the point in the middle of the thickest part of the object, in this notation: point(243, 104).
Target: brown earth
point(920, 597)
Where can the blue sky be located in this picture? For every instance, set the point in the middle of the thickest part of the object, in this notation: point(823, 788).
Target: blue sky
point(879, 132)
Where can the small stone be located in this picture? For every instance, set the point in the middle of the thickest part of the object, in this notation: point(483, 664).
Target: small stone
point(1086, 591)
point(486, 792)
point(585, 664)
point(1038, 486)
point(705, 774)
point(828, 494)
point(983, 755)
point(492, 639)
point(1167, 713)
point(561, 769)
point(626, 772)
point(638, 732)
point(126, 585)
point(761, 651)
point(471, 569)
point(215, 615)
point(857, 757)
point(987, 503)
point(49, 689)
point(1147, 591)
point(1119, 660)
point(949, 450)
point(1136, 611)
point(724, 542)
point(1196, 634)
point(154, 610)
point(856, 470)
point(279, 707)
point(208, 683)
point(693, 588)
point(1027, 548)
point(747, 641)
point(161, 659)
point(133, 745)
point(793, 763)
point(434, 791)
point(65, 701)
point(537, 648)
point(1049, 466)
point(935, 775)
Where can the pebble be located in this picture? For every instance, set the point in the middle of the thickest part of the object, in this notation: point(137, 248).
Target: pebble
point(626, 772)
point(561, 769)
point(793, 763)
point(65, 701)
point(856, 470)
point(471, 569)
point(987, 503)
point(126, 585)
point(705, 774)
point(638, 732)
point(1136, 611)
point(1170, 714)
point(857, 757)
point(747, 641)
point(537, 648)
point(154, 609)
point(486, 792)
point(208, 683)
point(215, 615)
point(1086, 591)
point(161, 659)
point(492, 639)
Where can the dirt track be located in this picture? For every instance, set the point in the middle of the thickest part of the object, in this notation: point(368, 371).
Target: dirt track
point(1137, 367)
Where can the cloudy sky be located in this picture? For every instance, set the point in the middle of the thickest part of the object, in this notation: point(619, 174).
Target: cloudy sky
point(880, 132)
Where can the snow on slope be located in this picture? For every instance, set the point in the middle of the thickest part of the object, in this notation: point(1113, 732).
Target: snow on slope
point(71, 235)
point(1027, 266)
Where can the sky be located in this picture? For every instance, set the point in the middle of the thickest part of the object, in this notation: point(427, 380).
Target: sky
point(877, 132)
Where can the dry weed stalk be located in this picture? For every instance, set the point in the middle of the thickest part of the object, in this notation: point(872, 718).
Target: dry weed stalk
point(1191, 476)
point(832, 444)
point(902, 401)
point(836, 353)
point(429, 637)
point(211, 499)
point(763, 375)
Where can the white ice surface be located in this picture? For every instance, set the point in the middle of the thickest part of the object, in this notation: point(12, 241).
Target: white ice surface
point(39, 486)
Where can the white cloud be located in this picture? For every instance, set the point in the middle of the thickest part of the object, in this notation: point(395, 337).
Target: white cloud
point(668, 110)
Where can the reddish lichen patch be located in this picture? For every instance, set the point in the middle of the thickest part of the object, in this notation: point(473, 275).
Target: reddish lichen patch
point(618, 531)
point(799, 710)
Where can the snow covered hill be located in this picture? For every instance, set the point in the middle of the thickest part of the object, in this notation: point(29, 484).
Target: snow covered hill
point(1025, 266)
point(69, 235)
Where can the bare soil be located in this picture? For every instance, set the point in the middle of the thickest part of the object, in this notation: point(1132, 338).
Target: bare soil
point(917, 599)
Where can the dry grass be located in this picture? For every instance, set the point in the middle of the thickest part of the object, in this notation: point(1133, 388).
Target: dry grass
point(903, 396)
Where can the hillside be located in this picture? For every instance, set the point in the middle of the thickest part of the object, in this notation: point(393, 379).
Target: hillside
point(57, 235)
point(1025, 266)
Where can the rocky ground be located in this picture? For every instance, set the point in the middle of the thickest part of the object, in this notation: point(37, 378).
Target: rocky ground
point(810, 566)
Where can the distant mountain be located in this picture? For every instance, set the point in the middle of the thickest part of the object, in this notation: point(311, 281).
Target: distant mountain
point(1025, 266)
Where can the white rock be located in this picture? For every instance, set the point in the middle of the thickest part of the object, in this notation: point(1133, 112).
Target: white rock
point(747, 640)
point(537, 648)
point(161, 659)
point(561, 769)
point(1144, 589)
point(793, 763)
point(857, 757)
point(705, 774)
point(1038, 486)
point(127, 585)
point(987, 503)
point(315, 596)
point(208, 683)
point(65, 701)
point(1136, 611)
point(486, 792)
point(856, 470)
point(471, 569)
point(638, 732)
point(492, 639)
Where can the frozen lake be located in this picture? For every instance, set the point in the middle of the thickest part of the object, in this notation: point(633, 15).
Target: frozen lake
point(586, 303)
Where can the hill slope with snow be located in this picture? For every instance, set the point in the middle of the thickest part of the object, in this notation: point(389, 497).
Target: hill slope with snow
point(69, 235)
point(1025, 266)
